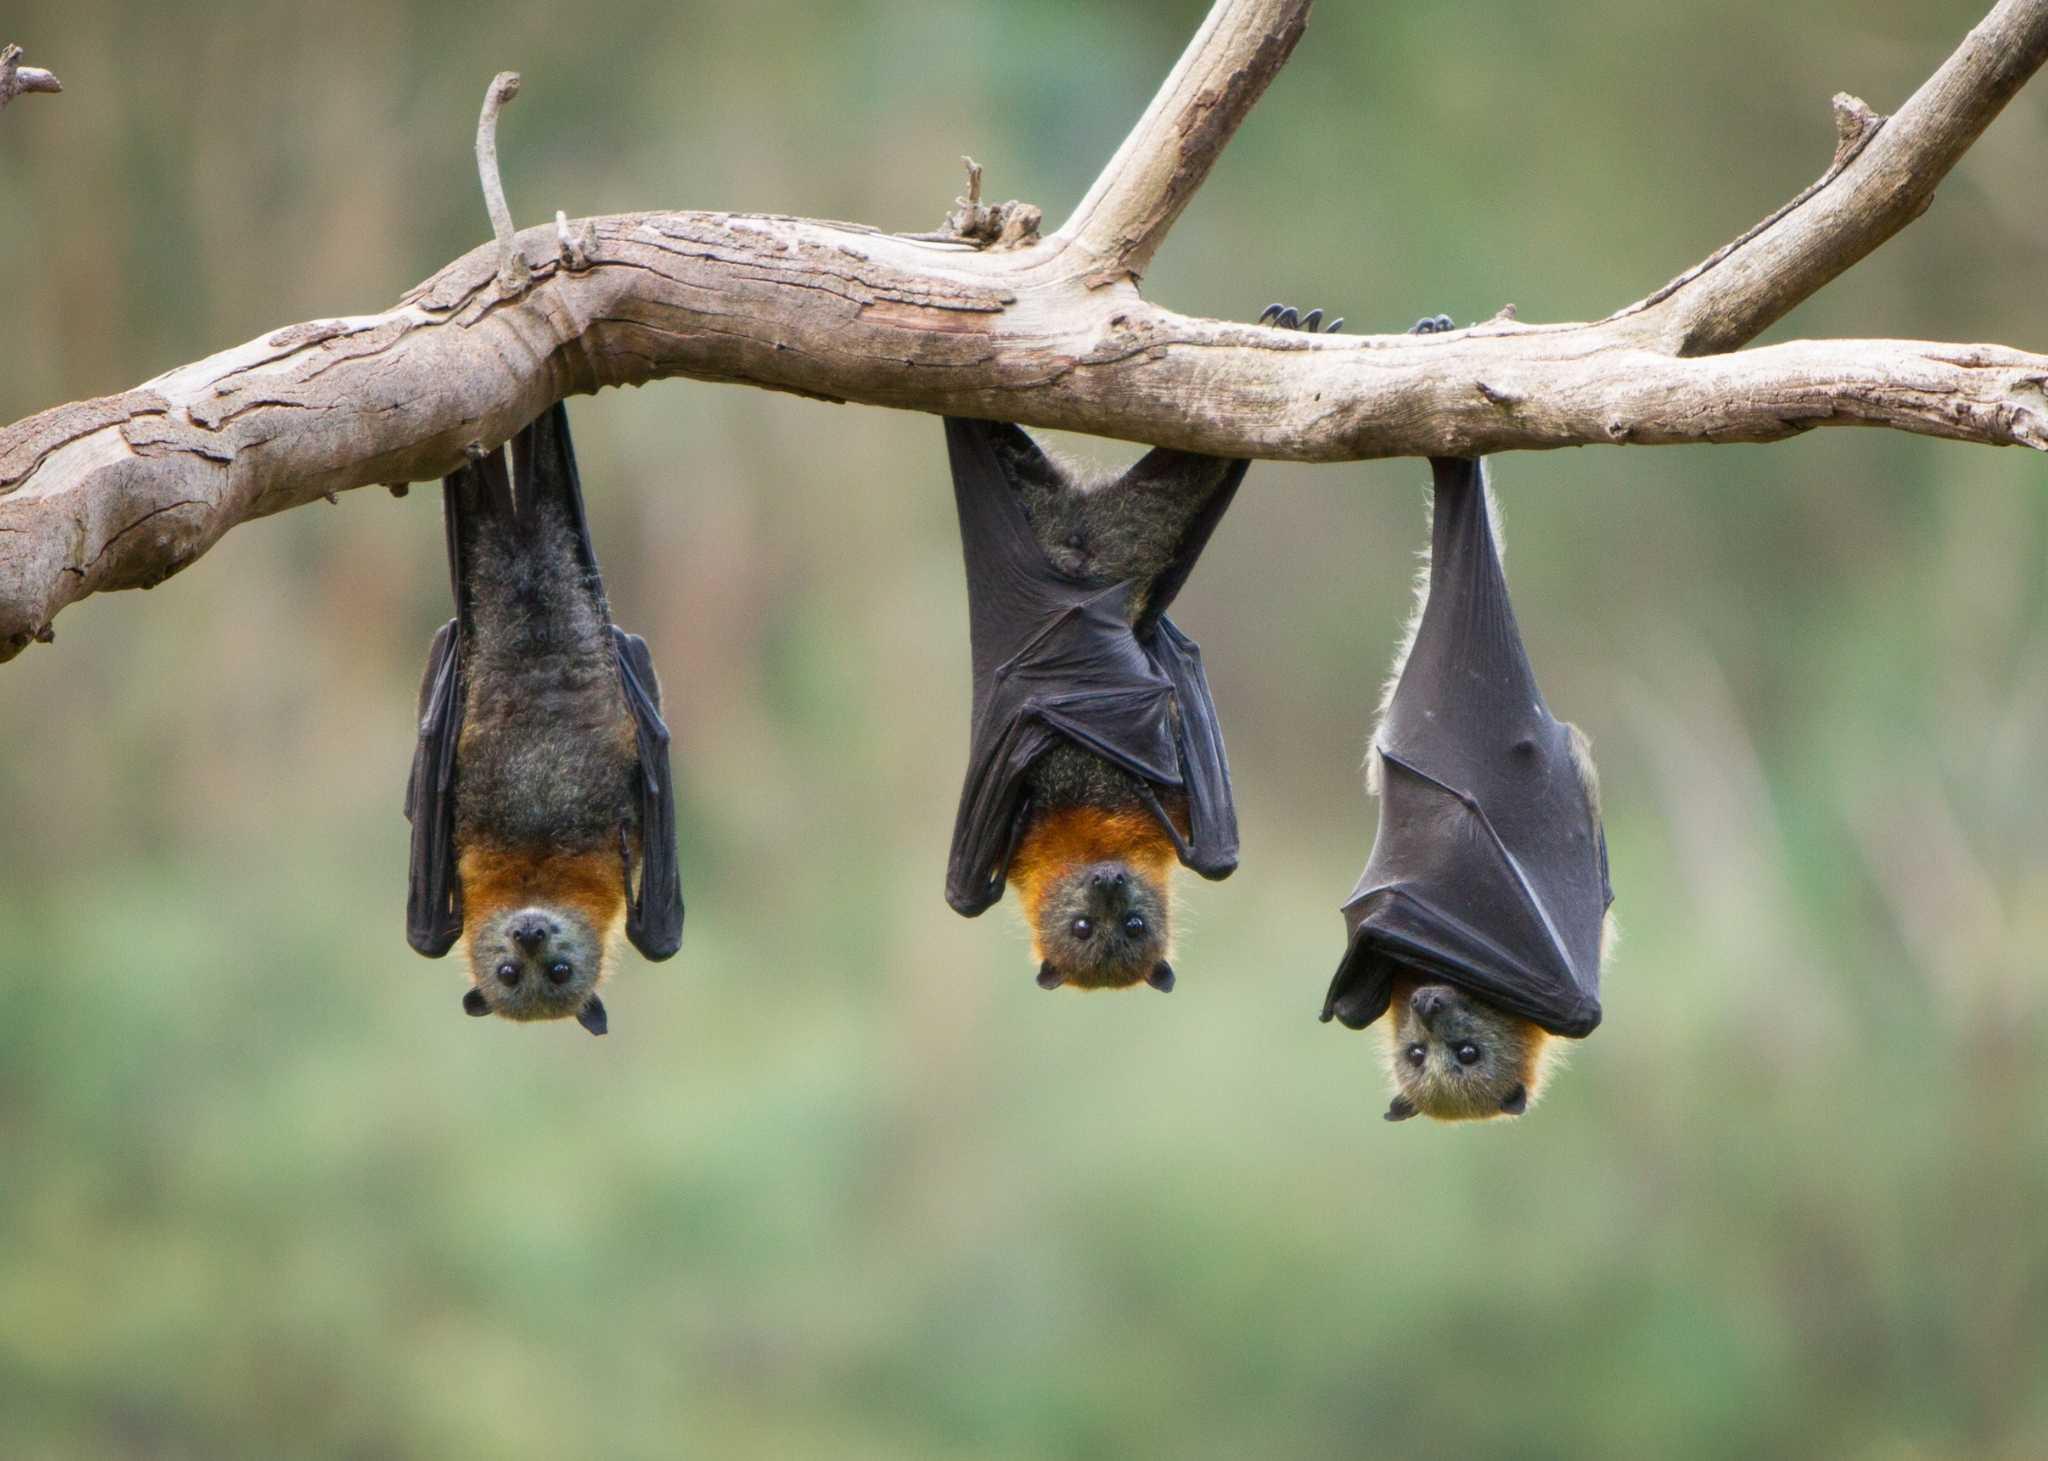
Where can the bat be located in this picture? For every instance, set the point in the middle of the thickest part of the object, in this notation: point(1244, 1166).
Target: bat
point(542, 808)
point(1096, 759)
point(1487, 889)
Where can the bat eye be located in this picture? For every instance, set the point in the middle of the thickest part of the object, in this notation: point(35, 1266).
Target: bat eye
point(1467, 1053)
point(508, 973)
point(1417, 1054)
point(558, 972)
point(1083, 927)
point(1134, 925)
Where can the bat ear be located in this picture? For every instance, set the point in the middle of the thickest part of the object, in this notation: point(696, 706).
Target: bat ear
point(1516, 1101)
point(1400, 1109)
point(591, 1016)
point(1161, 977)
point(473, 1002)
point(1049, 977)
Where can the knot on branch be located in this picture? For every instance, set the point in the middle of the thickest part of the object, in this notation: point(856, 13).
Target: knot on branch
point(990, 225)
point(1855, 125)
point(16, 78)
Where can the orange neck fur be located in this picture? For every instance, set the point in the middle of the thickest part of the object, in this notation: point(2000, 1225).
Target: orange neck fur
point(1067, 838)
point(592, 884)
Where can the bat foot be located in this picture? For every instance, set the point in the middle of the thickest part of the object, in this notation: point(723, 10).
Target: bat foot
point(1431, 325)
point(1286, 317)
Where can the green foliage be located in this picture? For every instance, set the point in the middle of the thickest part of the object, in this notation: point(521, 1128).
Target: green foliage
point(843, 1181)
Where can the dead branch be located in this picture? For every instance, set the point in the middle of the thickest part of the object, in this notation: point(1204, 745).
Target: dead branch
point(123, 491)
point(16, 78)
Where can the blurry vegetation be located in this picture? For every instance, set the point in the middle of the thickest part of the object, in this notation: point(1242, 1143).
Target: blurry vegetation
point(843, 1181)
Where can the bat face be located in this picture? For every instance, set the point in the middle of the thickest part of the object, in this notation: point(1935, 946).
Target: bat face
point(1093, 885)
point(536, 963)
point(1455, 1058)
point(541, 932)
point(1104, 926)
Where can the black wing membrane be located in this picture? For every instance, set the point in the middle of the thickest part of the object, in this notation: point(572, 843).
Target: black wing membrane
point(433, 901)
point(545, 460)
point(1057, 658)
point(654, 914)
point(476, 490)
point(1489, 870)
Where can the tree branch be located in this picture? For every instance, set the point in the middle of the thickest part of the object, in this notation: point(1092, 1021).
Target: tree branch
point(1167, 156)
point(16, 78)
point(1883, 177)
point(123, 491)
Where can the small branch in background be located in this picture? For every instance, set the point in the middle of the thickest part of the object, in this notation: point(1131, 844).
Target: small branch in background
point(16, 78)
point(513, 274)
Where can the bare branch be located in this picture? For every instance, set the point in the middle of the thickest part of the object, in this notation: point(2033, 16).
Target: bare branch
point(1883, 177)
point(1225, 69)
point(124, 491)
point(513, 274)
point(16, 78)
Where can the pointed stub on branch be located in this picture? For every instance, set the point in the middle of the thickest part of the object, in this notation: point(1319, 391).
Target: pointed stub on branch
point(1855, 124)
point(513, 273)
point(16, 78)
point(990, 225)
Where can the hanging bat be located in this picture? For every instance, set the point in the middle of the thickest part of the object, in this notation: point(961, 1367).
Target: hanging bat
point(543, 815)
point(1096, 760)
point(1482, 916)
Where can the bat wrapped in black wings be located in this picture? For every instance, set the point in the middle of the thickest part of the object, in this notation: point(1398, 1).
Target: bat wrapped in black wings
point(1078, 659)
point(1489, 871)
point(1096, 761)
point(542, 808)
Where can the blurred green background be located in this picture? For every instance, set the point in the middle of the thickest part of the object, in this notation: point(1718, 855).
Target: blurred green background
point(842, 1181)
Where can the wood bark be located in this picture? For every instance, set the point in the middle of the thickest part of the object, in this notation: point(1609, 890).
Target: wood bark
point(123, 491)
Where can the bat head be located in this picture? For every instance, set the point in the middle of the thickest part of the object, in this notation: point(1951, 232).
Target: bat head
point(1456, 1058)
point(537, 962)
point(1103, 925)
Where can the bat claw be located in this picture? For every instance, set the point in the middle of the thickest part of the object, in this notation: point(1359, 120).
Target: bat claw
point(1431, 325)
point(1286, 317)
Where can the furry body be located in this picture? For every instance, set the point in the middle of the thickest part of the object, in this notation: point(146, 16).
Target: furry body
point(542, 808)
point(547, 810)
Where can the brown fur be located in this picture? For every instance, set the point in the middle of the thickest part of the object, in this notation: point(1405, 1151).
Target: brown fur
point(1529, 1050)
point(591, 884)
point(1061, 842)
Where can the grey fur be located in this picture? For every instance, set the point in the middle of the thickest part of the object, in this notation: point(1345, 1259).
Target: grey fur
point(1084, 926)
point(547, 758)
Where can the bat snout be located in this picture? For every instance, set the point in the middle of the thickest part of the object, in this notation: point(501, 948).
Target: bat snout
point(529, 931)
point(1429, 1002)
